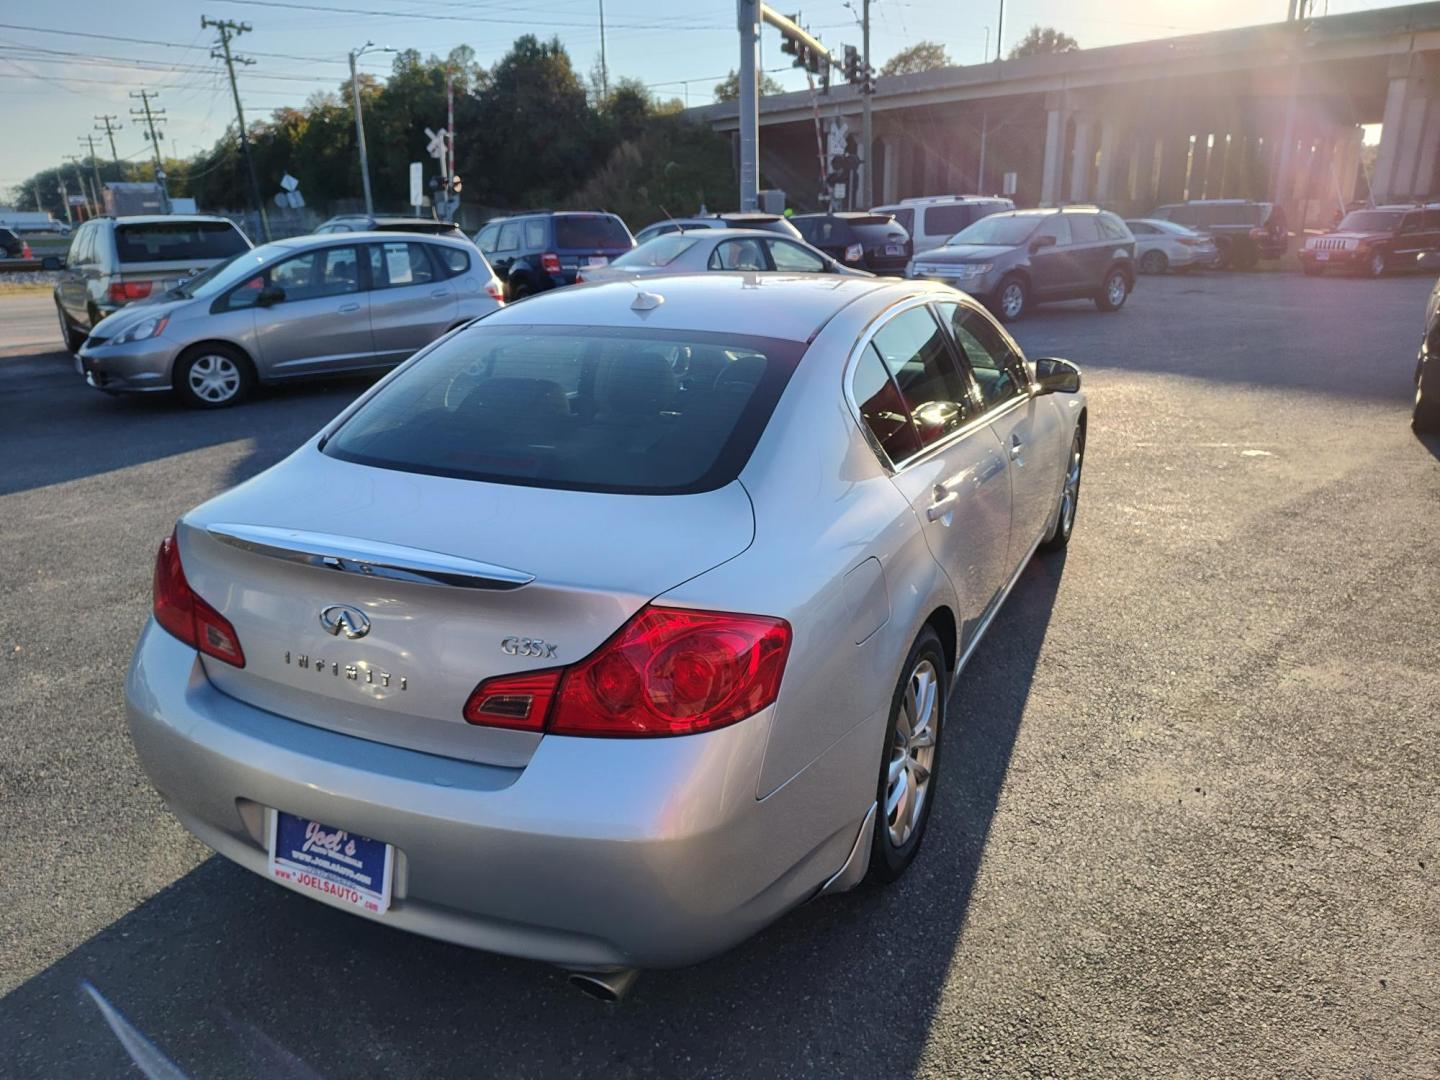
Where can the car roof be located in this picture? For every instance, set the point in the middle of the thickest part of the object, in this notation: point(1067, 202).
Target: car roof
point(792, 307)
point(351, 237)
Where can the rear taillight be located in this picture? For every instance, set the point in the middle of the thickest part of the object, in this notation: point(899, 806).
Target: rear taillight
point(667, 672)
point(495, 292)
point(1190, 241)
point(550, 263)
point(177, 609)
point(122, 292)
point(854, 253)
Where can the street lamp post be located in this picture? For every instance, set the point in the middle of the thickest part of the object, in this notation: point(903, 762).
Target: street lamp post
point(355, 54)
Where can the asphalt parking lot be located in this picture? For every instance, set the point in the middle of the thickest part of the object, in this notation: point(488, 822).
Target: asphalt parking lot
point(1188, 823)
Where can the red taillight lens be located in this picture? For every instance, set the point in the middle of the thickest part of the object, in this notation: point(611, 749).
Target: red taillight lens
point(1190, 241)
point(189, 618)
point(124, 291)
point(667, 672)
point(495, 291)
point(550, 263)
point(513, 701)
point(579, 278)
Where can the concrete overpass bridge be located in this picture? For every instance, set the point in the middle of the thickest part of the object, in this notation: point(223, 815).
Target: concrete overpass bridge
point(1272, 112)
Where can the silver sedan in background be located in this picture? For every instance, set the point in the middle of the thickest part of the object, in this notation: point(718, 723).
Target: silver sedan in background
point(1164, 245)
point(617, 623)
point(314, 305)
point(754, 250)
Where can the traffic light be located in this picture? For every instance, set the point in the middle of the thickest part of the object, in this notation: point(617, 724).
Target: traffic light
point(867, 79)
point(852, 64)
point(790, 46)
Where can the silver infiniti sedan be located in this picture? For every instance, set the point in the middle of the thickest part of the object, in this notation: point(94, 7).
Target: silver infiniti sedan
point(753, 250)
point(314, 305)
point(616, 624)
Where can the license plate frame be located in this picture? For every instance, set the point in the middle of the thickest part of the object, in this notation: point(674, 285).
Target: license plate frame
point(1322, 256)
point(596, 260)
point(894, 249)
point(329, 863)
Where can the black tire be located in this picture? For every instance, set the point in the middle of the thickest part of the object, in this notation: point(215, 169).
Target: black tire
point(1114, 290)
point(213, 376)
point(69, 333)
point(1012, 298)
point(518, 289)
point(1154, 262)
point(889, 859)
point(1425, 420)
point(1065, 516)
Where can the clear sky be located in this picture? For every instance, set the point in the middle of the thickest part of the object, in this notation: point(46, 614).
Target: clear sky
point(54, 82)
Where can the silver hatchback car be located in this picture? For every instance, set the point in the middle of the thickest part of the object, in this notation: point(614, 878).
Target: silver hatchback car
point(616, 624)
point(314, 305)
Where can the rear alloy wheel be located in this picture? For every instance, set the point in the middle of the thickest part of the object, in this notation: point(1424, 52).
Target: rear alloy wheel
point(72, 337)
point(1377, 264)
point(212, 377)
point(1069, 495)
point(1425, 420)
point(1112, 294)
point(1012, 299)
point(910, 761)
point(1154, 262)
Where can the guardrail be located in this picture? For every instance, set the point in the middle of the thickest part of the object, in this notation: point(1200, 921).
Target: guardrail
point(49, 262)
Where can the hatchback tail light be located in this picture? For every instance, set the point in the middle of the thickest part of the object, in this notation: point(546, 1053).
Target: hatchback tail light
point(185, 615)
point(495, 291)
point(668, 671)
point(124, 291)
point(1190, 241)
point(550, 262)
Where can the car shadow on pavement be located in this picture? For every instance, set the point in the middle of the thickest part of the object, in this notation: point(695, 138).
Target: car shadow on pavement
point(1430, 442)
point(54, 438)
point(231, 976)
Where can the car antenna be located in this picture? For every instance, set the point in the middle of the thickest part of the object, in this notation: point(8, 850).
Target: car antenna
point(670, 218)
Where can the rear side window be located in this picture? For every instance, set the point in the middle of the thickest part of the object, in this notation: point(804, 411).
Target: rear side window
point(590, 231)
point(914, 350)
point(486, 238)
point(399, 264)
point(453, 260)
point(535, 233)
point(946, 220)
point(509, 237)
point(743, 254)
point(882, 408)
point(1111, 227)
point(618, 409)
point(168, 241)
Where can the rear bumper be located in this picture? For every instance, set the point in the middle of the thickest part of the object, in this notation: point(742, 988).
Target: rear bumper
point(137, 368)
point(598, 853)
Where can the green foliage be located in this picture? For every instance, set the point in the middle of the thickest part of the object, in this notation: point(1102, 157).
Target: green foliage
point(1043, 41)
point(922, 56)
point(728, 89)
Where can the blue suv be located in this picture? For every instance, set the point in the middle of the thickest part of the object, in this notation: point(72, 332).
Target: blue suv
point(544, 250)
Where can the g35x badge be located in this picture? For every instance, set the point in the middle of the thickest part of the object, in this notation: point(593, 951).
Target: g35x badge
point(524, 646)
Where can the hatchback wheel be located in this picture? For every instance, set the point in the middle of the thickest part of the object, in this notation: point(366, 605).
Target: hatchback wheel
point(1154, 262)
point(1112, 294)
point(72, 337)
point(1069, 495)
point(212, 377)
point(1012, 299)
point(911, 759)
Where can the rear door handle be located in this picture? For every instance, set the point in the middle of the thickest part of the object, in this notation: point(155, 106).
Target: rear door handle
point(1016, 447)
point(349, 307)
point(944, 503)
point(440, 294)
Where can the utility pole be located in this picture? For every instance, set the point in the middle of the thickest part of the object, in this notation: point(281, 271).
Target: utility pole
point(228, 29)
point(74, 160)
point(64, 196)
point(450, 119)
point(151, 116)
point(867, 129)
point(1000, 31)
point(749, 20)
point(604, 70)
point(110, 130)
point(89, 140)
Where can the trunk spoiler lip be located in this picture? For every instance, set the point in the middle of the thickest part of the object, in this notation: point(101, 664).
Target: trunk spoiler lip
point(368, 558)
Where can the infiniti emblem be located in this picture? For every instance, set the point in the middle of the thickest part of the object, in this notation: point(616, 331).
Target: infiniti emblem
point(341, 618)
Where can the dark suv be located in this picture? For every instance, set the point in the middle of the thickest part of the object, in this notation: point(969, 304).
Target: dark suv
point(1245, 232)
point(874, 242)
point(1014, 260)
point(544, 250)
point(1374, 241)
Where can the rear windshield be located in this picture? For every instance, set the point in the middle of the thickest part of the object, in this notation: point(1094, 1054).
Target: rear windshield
point(877, 231)
point(998, 229)
point(165, 241)
point(590, 231)
point(614, 409)
point(906, 220)
point(661, 251)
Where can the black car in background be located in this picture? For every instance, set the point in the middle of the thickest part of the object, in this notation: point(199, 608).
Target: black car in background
point(11, 246)
point(874, 242)
point(544, 250)
point(1245, 231)
point(342, 223)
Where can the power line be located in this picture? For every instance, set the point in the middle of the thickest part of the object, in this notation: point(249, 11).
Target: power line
point(157, 43)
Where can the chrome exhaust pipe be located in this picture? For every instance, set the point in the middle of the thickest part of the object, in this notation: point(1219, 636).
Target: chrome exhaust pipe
point(607, 986)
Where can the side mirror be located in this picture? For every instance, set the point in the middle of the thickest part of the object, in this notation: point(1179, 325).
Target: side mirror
point(1041, 242)
point(1056, 376)
point(271, 294)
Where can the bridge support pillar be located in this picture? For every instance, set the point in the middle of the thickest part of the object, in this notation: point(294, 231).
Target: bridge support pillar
point(1083, 166)
point(1110, 179)
point(1405, 166)
point(1052, 170)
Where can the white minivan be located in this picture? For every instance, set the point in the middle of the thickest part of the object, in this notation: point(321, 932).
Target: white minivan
point(932, 219)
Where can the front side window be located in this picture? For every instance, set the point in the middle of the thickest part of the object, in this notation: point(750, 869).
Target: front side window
point(399, 264)
point(316, 274)
point(790, 256)
point(913, 347)
point(998, 369)
point(1411, 223)
point(618, 409)
point(1057, 226)
point(743, 254)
